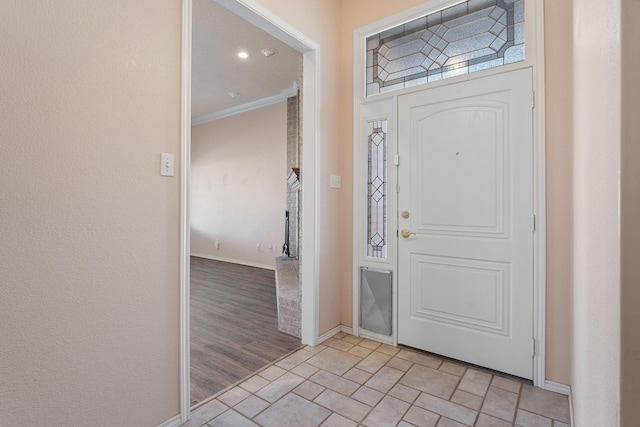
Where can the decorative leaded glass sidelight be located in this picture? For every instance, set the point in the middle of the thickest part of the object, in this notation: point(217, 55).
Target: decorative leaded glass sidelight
point(377, 193)
point(470, 36)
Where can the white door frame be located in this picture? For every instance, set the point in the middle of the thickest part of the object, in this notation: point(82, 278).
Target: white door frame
point(534, 29)
point(267, 21)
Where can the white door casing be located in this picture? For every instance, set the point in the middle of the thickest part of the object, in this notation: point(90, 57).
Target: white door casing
point(465, 278)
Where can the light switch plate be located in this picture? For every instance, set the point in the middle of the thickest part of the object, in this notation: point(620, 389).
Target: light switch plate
point(166, 164)
point(335, 181)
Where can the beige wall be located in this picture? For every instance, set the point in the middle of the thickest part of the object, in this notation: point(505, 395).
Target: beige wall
point(89, 231)
point(238, 186)
point(595, 377)
point(357, 13)
point(559, 177)
point(630, 203)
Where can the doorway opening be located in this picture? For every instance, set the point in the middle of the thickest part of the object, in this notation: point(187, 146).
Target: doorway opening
point(271, 247)
point(244, 143)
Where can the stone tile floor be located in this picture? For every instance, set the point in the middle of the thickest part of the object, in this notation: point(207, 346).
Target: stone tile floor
point(350, 381)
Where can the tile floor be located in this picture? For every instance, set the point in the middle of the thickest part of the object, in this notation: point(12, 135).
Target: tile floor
point(349, 381)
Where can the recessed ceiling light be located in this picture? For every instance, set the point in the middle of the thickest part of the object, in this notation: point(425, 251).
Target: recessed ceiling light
point(268, 52)
point(243, 54)
point(234, 94)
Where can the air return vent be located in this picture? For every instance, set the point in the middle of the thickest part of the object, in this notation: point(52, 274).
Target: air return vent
point(375, 301)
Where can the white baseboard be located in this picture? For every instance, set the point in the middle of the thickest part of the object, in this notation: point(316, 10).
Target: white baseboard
point(557, 387)
point(234, 261)
point(349, 330)
point(329, 334)
point(336, 330)
point(346, 329)
point(173, 422)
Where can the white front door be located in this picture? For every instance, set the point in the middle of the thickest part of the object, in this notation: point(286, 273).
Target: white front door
point(465, 261)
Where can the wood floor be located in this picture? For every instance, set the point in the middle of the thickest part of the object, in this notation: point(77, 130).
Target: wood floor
point(234, 325)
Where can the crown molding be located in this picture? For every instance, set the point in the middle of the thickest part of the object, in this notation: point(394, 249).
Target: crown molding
point(253, 105)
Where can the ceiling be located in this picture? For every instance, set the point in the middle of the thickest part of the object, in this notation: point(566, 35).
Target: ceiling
point(218, 36)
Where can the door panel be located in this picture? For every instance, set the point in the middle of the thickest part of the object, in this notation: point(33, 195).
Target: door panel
point(465, 271)
point(465, 293)
point(463, 147)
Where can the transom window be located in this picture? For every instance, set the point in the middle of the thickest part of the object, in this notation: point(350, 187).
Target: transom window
point(468, 37)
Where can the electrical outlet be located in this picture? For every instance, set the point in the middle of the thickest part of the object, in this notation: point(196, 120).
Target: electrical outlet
point(217, 244)
point(258, 247)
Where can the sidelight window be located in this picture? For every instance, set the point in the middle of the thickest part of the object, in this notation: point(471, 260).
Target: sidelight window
point(377, 189)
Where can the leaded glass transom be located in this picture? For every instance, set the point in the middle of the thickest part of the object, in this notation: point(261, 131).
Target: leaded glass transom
point(377, 189)
point(468, 37)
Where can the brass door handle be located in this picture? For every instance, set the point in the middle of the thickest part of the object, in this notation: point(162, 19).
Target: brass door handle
point(406, 233)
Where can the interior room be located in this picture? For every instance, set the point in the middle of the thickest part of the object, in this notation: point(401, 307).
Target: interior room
point(95, 134)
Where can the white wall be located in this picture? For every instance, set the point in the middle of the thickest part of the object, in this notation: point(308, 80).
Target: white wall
point(238, 186)
point(89, 230)
point(595, 378)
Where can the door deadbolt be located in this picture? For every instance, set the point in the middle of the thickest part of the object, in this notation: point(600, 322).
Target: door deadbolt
point(405, 214)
